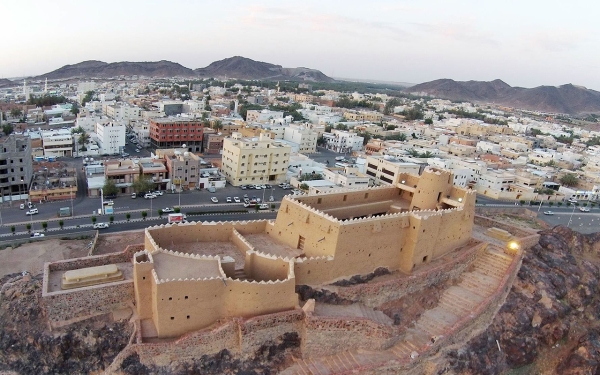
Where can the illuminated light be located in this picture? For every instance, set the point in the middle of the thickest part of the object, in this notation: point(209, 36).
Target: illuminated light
point(513, 246)
point(460, 200)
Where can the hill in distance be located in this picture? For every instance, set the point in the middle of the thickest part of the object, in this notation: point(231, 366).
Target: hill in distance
point(100, 69)
point(245, 68)
point(567, 98)
point(234, 67)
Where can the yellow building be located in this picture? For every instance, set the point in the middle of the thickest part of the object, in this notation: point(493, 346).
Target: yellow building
point(254, 160)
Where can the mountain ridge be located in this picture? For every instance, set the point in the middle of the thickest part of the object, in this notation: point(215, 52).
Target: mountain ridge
point(233, 67)
point(567, 98)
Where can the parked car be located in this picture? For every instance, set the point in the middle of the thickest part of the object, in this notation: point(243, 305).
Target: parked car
point(211, 189)
point(244, 187)
point(271, 199)
point(33, 211)
point(22, 206)
point(36, 234)
point(214, 199)
point(168, 210)
point(228, 200)
point(157, 193)
point(133, 195)
point(109, 203)
point(584, 209)
point(30, 205)
point(264, 206)
point(246, 205)
point(548, 213)
point(236, 199)
point(149, 196)
point(572, 200)
point(258, 187)
point(100, 225)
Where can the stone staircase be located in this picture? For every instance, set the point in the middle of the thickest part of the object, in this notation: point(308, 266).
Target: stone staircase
point(456, 303)
point(239, 274)
point(356, 310)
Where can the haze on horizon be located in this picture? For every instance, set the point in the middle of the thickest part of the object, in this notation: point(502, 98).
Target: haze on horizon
point(526, 44)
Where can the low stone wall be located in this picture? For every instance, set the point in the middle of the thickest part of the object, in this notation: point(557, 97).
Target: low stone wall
point(70, 304)
point(255, 332)
point(94, 243)
point(329, 335)
point(93, 300)
point(377, 293)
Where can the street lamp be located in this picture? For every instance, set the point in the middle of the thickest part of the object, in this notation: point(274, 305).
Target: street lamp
point(571, 217)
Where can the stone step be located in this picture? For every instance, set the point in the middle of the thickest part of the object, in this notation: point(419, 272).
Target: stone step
point(481, 280)
point(499, 261)
point(463, 296)
point(444, 317)
point(452, 306)
point(434, 325)
point(489, 269)
point(401, 350)
point(480, 288)
point(375, 315)
point(498, 252)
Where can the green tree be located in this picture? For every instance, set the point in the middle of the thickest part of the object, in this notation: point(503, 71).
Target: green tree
point(45, 225)
point(16, 112)
point(321, 141)
point(522, 202)
point(426, 155)
point(128, 216)
point(13, 229)
point(551, 204)
point(61, 224)
point(74, 109)
point(144, 214)
point(428, 121)
point(160, 213)
point(94, 219)
point(84, 138)
point(143, 184)
point(569, 179)
point(111, 219)
point(177, 210)
point(304, 187)
point(7, 129)
point(28, 226)
point(89, 96)
point(389, 106)
point(412, 152)
point(559, 204)
point(110, 188)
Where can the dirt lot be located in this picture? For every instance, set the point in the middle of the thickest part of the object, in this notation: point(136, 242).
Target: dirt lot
point(117, 242)
point(32, 256)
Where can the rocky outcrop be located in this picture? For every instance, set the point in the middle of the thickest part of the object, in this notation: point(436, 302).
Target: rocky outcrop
point(551, 315)
point(27, 346)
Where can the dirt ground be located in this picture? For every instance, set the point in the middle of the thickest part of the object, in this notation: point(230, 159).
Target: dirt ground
point(32, 256)
point(117, 242)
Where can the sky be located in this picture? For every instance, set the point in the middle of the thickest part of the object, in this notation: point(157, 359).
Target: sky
point(525, 43)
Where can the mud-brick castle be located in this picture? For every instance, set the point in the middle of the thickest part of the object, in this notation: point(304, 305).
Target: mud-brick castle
point(189, 276)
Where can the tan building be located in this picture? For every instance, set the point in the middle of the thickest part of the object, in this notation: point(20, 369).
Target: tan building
point(254, 160)
point(156, 171)
point(370, 116)
point(52, 184)
point(123, 173)
point(183, 167)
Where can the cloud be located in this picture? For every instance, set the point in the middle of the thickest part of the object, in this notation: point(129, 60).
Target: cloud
point(555, 40)
point(464, 32)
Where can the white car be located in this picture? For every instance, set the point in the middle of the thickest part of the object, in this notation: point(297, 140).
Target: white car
point(157, 193)
point(228, 200)
point(100, 225)
point(548, 213)
point(33, 211)
point(584, 209)
point(214, 200)
point(168, 210)
point(149, 196)
point(572, 200)
point(236, 199)
point(263, 206)
point(36, 234)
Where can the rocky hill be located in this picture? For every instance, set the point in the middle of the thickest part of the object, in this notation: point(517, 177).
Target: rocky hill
point(550, 321)
point(7, 83)
point(568, 98)
point(100, 69)
point(245, 68)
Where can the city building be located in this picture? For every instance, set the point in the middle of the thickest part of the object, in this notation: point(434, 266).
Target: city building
point(110, 137)
point(16, 167)
point(175, 132)
point(50, 183)
point(304, 138)
point(57, 143)
point(213, 144)
point(386, 169)
point(156, 171)
point(347, 177)
point(123, 173)
point(254, 160)
point(263, 116)
point(342, 141)
point(183, 168)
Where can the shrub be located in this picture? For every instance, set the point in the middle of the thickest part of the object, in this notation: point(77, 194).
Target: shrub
point(111, 219)
point(13, 229)
point(61, 224)
point(94, 219)
point(128, 216)
point(177, 210)
point(144, 214)
point(45, 225)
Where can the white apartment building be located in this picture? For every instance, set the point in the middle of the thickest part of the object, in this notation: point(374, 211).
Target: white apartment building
point(123, 112)
point(386, 170)
point(305, 138)
point(111, 137)
point(57, 143)
point(88, 123)
point(343, 141)
point(263, 116)
point(141, 129)
point(83, 87)
point(347, 177)
point(254, 160)
point(466, 172)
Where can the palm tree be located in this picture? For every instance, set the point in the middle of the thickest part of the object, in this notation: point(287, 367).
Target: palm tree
point(412, 152)
point(84, 137)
